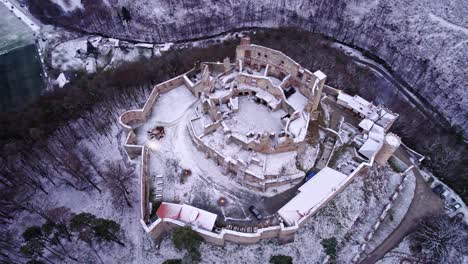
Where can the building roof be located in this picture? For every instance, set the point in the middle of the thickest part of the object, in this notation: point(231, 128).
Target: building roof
point(377, 114)
point(187, 214)
point(312, 194)
point(357, 103)
point(386, 118)
point(297, 101)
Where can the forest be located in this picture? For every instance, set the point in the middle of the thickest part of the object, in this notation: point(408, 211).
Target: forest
point(39, 150)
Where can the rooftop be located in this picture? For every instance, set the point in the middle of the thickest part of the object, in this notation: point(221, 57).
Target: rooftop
point(312, 193)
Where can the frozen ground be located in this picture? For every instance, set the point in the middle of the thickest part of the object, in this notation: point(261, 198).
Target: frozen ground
point(297, 101)
point(176, 151)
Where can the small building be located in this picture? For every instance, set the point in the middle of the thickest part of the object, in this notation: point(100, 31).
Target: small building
point(187, 214)
point(144, 45)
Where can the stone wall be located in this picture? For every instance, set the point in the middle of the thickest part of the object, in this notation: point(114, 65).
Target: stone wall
point(282, 233)
point(281, 66)
point(130, 145)
point(145, 186)
point(161, 226)
point(261, 82)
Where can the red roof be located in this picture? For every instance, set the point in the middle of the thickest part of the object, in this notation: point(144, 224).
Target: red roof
point(187, 214)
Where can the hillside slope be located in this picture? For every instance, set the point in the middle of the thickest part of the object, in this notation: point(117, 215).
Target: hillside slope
point(424, 42)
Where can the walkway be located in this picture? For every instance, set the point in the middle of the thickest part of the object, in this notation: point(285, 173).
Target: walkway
point(425, 203)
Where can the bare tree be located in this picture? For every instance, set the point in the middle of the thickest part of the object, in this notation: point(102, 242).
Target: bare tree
point(442, 240)
point(91, 158)
point(74, 167)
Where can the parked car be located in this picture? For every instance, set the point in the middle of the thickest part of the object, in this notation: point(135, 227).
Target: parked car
point(438, 189)
point(255, 212)
point(456, 206)
point(445, 194)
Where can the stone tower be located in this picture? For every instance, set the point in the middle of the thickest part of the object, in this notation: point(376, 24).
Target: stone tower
point(390, 144)
point(317, 92)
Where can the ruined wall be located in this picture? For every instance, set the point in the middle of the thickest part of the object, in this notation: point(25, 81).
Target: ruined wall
point(261, 82)
point(280, 66)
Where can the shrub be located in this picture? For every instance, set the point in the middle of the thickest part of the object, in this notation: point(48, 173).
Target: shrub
point(281, 259)
point(172, 261)
point(329, 245)
point(186, 238)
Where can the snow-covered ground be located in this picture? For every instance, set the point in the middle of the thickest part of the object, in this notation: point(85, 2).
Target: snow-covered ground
point(13, 32)
point(69, 5)
point(72, 54)
point(253, 117)
point(395, 256)
point(348, 217)
point(395, 215)
point(22, 14)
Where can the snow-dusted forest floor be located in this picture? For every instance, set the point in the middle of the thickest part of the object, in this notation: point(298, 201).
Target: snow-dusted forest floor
point(347, 218)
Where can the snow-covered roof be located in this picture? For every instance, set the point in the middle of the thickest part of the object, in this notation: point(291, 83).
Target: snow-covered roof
point(312, 194)
point(61, 80)
point(187, 214)
point(377, 133)
point(357, 103)
point(369, 148)
point(169, 210)
point(344, 97)
point(266, 96)
point(377, 114)
point(320, 75)
point(144, 45)
point(386, 117)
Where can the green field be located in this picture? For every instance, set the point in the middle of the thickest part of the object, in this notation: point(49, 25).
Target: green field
point(20, 68)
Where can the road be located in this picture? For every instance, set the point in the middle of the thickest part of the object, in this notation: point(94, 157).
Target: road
point(23, 14)
point(425, 203)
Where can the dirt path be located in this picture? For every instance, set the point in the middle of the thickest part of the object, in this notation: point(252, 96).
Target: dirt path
point(425, 203)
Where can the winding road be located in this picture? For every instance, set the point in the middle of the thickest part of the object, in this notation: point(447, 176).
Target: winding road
point(424, 204)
